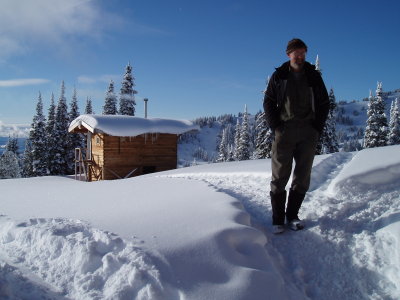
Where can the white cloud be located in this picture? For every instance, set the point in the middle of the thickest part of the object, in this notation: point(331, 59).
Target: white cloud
point(21, 130)
point(22, 82)
point(61, 24)
point(96, 79)
point(26, 22)
point(86, 79)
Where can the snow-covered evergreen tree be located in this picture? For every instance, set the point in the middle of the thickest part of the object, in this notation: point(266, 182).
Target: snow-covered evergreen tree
point(328, 142)
point(223, 150)
point(252, 135)
point(230, 133)
point(264, 138)
point(50, 139)
point(376, 131)
point(394, 124)
point(231, 153)
point(88, 107)
point(61, 134)
point(317, 65)
point(352, 145)
point(12, 144)
point(9, 165)
point(75, 140)
point(238, 130)
point(74, 108)
point(127, 95)
point(110, 103)
point(27, 169)
point(243, 149)
point(319, 148)
point(37, 137)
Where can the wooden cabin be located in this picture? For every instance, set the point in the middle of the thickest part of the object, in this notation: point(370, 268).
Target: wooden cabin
point(125, 146)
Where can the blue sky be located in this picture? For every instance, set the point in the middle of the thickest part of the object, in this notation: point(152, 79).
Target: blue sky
point(190, 58)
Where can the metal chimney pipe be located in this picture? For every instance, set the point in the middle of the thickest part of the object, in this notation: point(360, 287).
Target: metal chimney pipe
point(145, 107)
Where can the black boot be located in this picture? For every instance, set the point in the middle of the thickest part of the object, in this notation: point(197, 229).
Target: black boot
point(278, 202)
point(295, 200)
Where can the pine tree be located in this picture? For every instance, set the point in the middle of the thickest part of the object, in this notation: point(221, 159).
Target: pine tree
point(61, 134)
point(110, 103)
point(231, 153)
point(317, 65)
point(376, 131)
point(127, 95)
point(394, 124)
point(252, 136)
point(50, 139)
point(89, 108)
point(230, 134)
point(328, 142)
point(352, 145)
point(9, 166)
point(12, 144)
point(37, 137)
point(264, 139)
point(243, 150)
point(75, 140)
point(74, 109)
point(237, 139)
point(27, 170)
point(223, 147)
point(320, 146)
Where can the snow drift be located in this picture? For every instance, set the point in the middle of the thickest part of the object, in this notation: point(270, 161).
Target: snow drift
point(81, 262)
point(204, 233)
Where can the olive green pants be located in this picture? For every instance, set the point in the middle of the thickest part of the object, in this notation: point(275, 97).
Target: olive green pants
point(293, 141)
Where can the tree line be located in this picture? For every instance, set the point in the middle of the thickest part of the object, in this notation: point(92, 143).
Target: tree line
point(50, 149)
point(253, 140)
point(379, 132)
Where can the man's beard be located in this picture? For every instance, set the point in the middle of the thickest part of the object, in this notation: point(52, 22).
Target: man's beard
point(298, 63)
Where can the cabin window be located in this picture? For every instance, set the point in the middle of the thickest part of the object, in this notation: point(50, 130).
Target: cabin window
point(149, 169)
point(98, 141)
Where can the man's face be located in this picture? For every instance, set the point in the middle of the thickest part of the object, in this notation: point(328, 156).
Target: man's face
point(297, 57)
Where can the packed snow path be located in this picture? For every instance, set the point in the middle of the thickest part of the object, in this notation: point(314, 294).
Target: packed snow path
point(336, 257)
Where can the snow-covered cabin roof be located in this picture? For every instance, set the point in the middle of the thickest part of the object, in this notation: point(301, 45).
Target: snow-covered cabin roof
point(119, 125)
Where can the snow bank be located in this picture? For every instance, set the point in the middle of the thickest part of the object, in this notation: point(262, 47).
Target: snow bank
point(80, 261)
point(374, 169)
point(14, 284)
point(118, 125)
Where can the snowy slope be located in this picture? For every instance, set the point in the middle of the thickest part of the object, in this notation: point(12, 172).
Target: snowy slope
point(356, 114)
point(204, 233)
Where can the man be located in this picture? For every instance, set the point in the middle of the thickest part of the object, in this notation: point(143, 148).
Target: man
point(296, 106)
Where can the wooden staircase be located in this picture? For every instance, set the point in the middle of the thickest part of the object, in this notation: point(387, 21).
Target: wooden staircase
point(86, 169)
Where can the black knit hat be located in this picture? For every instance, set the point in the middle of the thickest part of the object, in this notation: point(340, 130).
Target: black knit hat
point(295, 44)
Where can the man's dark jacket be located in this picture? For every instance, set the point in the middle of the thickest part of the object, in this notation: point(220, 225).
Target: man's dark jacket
point(274, 96)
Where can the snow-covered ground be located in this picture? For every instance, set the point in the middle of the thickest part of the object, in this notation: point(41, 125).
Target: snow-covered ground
point(204, 233)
